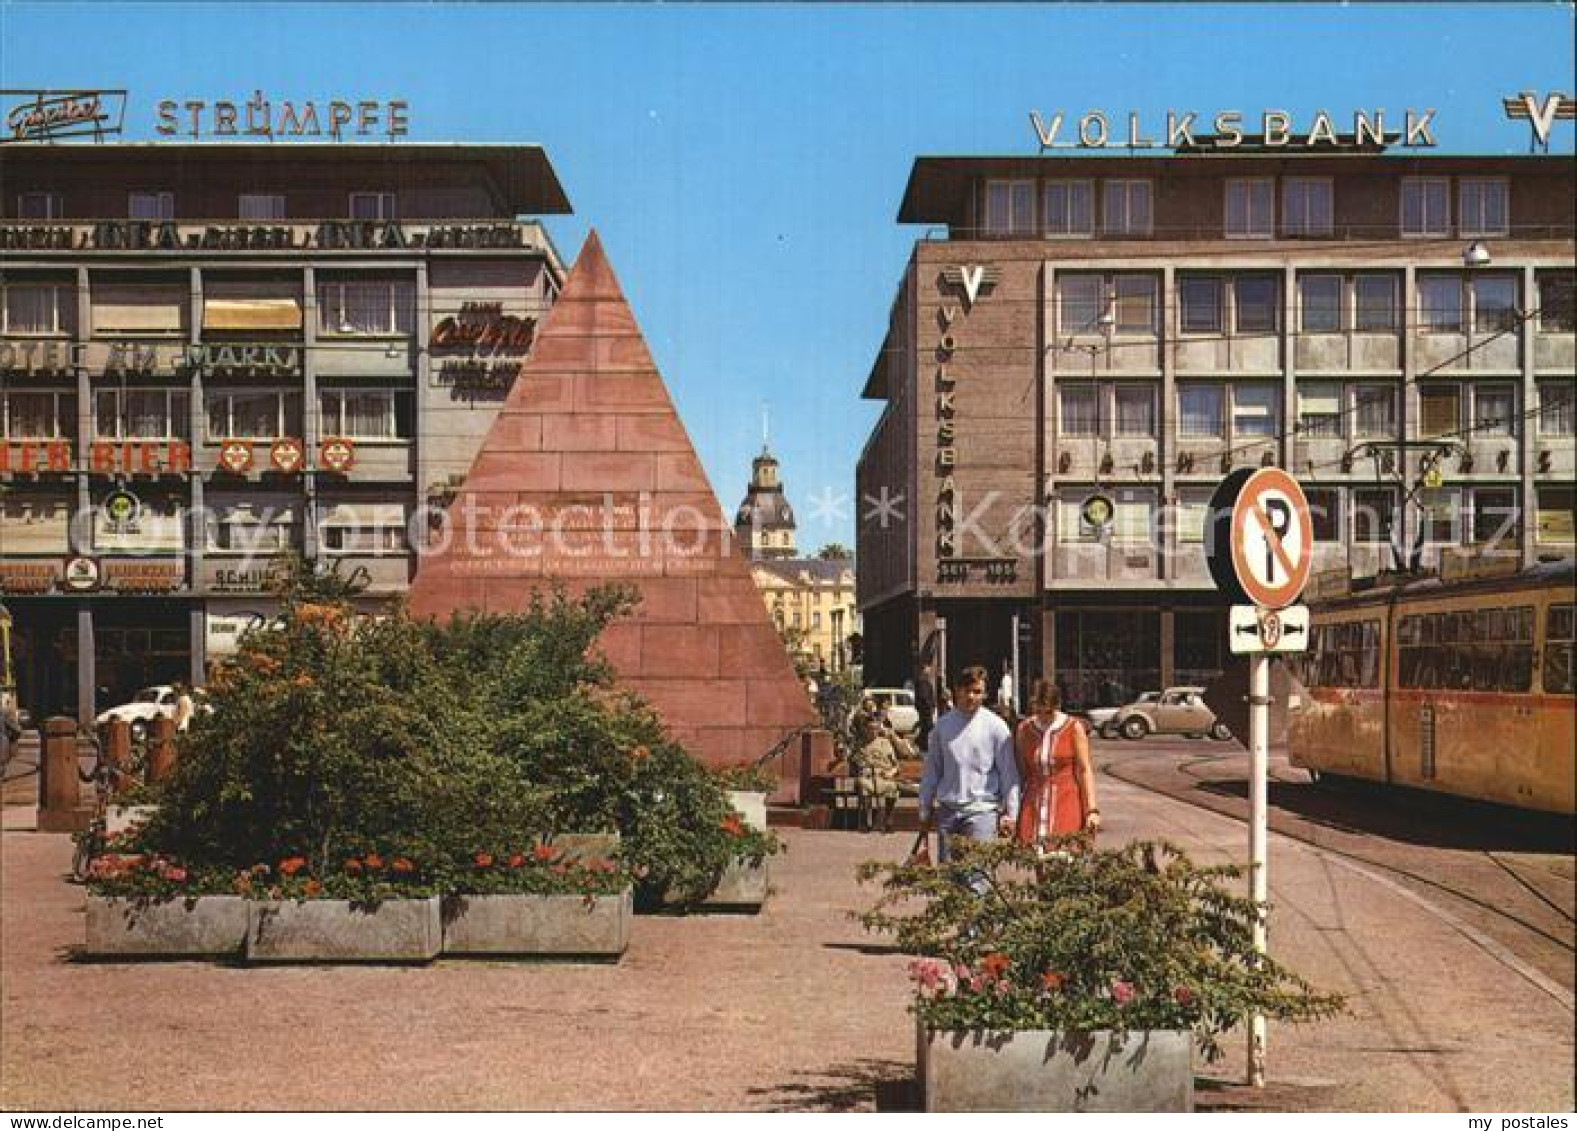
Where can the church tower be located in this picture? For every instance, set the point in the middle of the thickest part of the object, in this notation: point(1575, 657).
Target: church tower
point(764, 524)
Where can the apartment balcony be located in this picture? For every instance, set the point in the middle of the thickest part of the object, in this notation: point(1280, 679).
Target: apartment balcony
point(1347, 353)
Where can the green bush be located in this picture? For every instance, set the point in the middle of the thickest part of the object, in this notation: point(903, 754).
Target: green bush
point(1082, 939)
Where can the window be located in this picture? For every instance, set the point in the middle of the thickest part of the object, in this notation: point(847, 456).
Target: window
point(159, 525)
point(1495, 515)
point(1255, 298)
point(1199, 300)
point(1071, 526)
point(1440, 300)
point(1135, 296)
point(1560, 649)
point(1125, 208)
point(1255, 409)
point(1010, 208)
point(1556, 507)
point(253, 415)
point(1375, 414)
point(1556, 400)
point(1193, 511)
point(37, 416)
point(1374, 514)
point(247, 305)
point(1070, 208)
point(1494, 303)
point(1131, 523)
point(1470, 649)
point(366, 414)
point(1558, 302)
point(372, 206)
point(1345, 654)
point(34, 308)
point(1439, 410)
point(1135, 410)
point(1320, 411)
point(1494, 410)
point(38, 206)
point(261, 206)
point(253, 525)
point(1426, 206)
point(1306, 208)
point(1081, 301)
point(1078, 410)
point(150, 205)
point(1251, 208)
point(1482, 208)
point(1325, 512)
point(141, 414)
point(1375, 302)
point(363, 527)
point(366, 306)
point(1320, 303)
point(1199, 410)
point(1438, 513)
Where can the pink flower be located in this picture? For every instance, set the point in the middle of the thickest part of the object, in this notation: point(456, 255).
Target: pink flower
point(1182, 995)
point(175, 874)
point(927, 972)
point(1122, 992)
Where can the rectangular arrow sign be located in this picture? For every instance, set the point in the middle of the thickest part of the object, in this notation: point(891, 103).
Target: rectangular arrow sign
point(1251, 629)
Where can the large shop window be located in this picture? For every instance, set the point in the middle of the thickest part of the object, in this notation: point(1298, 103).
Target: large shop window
point(1010, 208)
point(35, 522)
point(253, 414)
point(1426, 203)
point(157, 526)
point(1306, 206)
point(366, 306)
point(36, 308)
point(255, 524)
point(268, 305)
point(1483, 207)
point(38, 416)
point(141, 414)
point(1107, 657)
point(367, 414)
point(139, 306)
point(364, 527)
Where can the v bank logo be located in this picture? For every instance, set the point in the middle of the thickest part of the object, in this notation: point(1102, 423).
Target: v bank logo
point(1541, 116)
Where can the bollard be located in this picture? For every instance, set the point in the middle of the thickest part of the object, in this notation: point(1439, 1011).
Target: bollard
point(60, 807)
point(161, 750)
point(117, 743)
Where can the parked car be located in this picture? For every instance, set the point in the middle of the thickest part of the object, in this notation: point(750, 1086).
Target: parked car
point(148, 704)
point(1103, 720)
point(897, 703)
point(1177, 710)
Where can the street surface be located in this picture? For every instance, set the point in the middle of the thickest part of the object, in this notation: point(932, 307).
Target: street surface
point(798, 1008)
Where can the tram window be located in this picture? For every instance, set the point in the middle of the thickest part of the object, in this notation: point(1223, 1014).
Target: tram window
point(1560, 651)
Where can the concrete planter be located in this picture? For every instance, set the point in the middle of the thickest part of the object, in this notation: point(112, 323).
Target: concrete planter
point(201, 926)
point(743, 888)
point(335, 930)
point(751, 805)
point(552, 926)
point(1044, 1070)
point(119, 818)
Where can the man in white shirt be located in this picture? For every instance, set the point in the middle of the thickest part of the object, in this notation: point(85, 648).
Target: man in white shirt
point(969, 785)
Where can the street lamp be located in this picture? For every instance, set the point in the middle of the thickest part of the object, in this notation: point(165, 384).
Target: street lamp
point(1476, 254)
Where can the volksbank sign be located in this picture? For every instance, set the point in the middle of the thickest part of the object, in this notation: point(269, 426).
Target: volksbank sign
point(1229, 128)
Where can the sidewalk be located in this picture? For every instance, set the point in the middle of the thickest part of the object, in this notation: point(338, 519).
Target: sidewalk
point(794, 1009)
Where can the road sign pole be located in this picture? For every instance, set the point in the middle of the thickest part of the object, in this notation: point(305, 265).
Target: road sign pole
point(1259, 888)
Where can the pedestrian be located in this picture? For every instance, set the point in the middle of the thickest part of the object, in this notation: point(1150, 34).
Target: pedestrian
point(1005, 687)
point(1054, 765)
point(875, 766)
point(925, 702)
point(969, 785)
point(185, 708)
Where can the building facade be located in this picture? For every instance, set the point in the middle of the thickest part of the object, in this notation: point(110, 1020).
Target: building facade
point(1086, 344)
point(213, 354)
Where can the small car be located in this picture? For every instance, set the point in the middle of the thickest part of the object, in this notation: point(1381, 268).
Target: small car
point(897, 703)
point(1103, 720)
point(151, 703)
point(1177, 710)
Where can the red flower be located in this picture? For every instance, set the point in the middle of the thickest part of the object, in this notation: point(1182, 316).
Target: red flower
point(353, 866)
point(994, 965)
point(600, 865)
point(732, 825)
point(373, 861)
point(312, 889)
point(291, 866)
point(1122, 992)
point(260, 869)
point(1182, 995)
point(484, 859)
point(544, 853)
point(403, 866)
point(516, 860)
point(1053, 980)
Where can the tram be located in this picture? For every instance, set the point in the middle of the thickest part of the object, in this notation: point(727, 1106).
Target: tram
point(1462, 686)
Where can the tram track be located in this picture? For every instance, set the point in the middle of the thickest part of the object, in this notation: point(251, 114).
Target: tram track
point(1500, 930)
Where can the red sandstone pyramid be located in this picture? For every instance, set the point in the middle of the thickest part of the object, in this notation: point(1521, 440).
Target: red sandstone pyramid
point(587, 475)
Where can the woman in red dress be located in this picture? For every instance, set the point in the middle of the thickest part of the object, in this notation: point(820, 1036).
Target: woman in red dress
point(1054, 767)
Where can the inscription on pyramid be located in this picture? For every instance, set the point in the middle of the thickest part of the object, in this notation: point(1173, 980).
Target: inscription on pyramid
point(588, 476)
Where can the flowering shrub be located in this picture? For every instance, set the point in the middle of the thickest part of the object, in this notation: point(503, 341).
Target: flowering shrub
point(1132, 938)
point(541, 869)
point(138, 875)
point(747, 776)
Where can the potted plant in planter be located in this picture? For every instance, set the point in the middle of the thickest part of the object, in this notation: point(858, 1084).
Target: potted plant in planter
point(141, 904)
point(748, 786)
point(1079, 980)
point(538, 902)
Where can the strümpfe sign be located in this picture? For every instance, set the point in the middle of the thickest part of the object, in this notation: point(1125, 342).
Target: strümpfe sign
point(1095, 129)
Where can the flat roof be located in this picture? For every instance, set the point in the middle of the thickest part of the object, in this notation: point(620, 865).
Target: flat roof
point(939, 185)
point(520, 176)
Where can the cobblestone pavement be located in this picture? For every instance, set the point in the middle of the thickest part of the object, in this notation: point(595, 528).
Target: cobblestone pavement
point(793, 1009)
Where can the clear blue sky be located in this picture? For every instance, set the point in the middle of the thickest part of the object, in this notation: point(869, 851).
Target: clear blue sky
point(744, 164)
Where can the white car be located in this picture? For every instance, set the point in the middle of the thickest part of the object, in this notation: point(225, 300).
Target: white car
point(1103, 720)
point(148, 704)
point(897, 703)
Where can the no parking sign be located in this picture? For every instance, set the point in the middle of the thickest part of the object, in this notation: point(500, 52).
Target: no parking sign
point(1262, 544)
